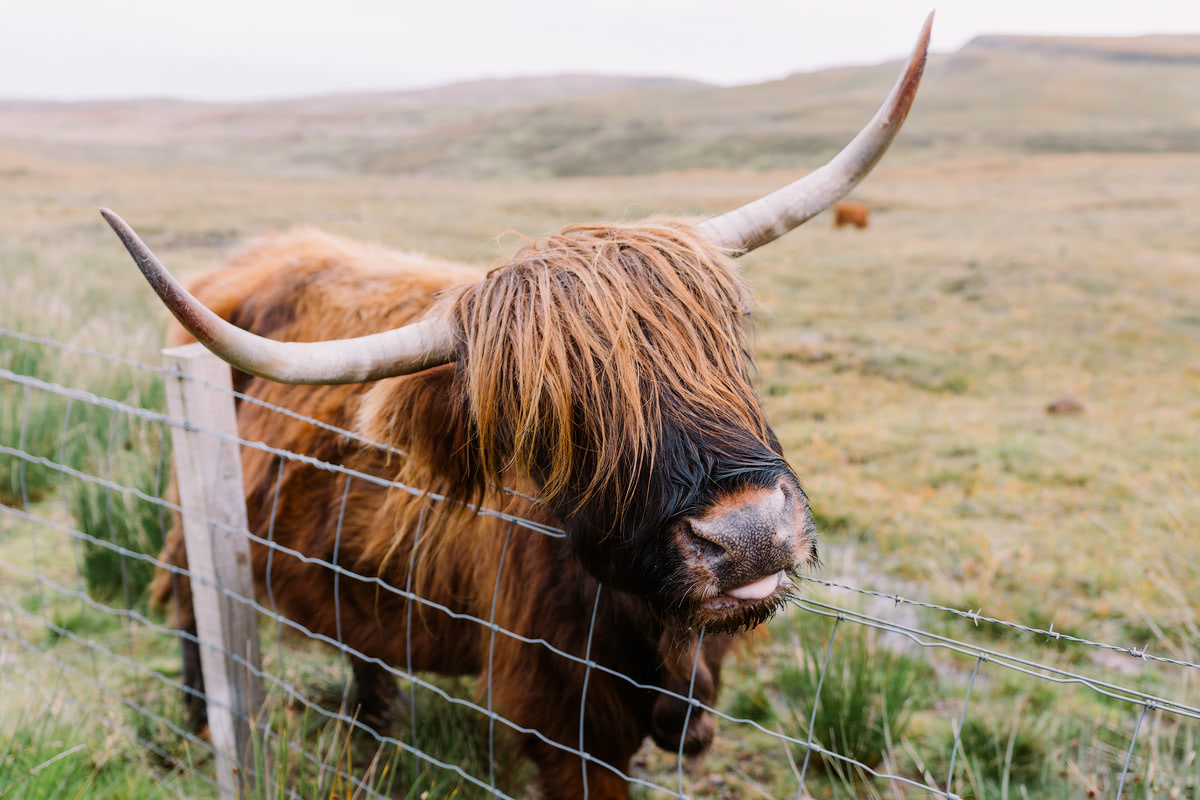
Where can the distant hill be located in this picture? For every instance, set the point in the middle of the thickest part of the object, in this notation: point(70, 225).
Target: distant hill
point(160, 123)
point(492, 92)
point(1162, 48)
point(1012, 94)
point(1067, 94)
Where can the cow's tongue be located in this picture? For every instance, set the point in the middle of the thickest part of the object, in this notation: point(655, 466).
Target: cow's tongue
point(757, 590)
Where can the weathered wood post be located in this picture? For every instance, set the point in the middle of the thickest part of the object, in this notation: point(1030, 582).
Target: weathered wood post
point(209, 475)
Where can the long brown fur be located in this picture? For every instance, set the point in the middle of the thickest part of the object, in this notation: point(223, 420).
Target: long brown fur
point(584, 326)
point(581, 335)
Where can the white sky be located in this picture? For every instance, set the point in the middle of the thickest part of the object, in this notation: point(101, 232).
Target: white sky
point(253, 49)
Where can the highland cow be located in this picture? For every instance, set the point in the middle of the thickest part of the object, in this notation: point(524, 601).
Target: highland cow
point(600, 383)
point(849, 213)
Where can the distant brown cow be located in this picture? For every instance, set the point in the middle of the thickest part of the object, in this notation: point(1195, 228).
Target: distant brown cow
point(604, 375)
point(850, 213)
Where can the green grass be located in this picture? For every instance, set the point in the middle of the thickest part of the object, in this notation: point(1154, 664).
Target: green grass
point(345, 760)
point(854, 699)
point(49, 753)
point(30, 421)
point(123, 518)
point(1055, 758)
point(114, 750)
point(62, 436)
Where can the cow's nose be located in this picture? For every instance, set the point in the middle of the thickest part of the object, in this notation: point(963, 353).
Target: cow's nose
point(753, 533)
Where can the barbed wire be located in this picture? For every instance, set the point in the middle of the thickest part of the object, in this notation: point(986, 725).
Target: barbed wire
point(1115, 692)
point(156, 416)
point(977, 616)
point(1144, 701)
point(1016, 663)
point(588, 663)
point(339, 570)
point(175, 372)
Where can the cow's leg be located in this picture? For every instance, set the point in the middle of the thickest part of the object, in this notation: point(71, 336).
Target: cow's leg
point(172, 589)
point(560, 774)
point(195, 703)
point(375, 692)
point(546, 694)
point(703, 682)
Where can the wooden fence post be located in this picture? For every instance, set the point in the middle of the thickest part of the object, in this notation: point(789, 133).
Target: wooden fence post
point(208, 472)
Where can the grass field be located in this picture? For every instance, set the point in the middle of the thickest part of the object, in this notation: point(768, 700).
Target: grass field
point(907, 370)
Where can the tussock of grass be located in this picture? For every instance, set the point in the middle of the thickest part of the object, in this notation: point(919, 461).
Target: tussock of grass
point(123, 518)
point(867, 693)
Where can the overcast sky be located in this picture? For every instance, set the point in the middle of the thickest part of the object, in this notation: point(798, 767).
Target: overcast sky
point(252, 49)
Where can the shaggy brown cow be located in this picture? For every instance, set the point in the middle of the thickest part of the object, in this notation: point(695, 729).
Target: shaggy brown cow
point(604, 371)
point(850, 213)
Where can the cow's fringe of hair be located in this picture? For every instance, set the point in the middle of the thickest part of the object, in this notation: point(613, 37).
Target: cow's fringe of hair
point(577, 351)
point(574, 355)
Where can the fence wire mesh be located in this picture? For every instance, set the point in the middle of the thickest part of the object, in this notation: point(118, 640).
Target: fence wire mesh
point(855, 691)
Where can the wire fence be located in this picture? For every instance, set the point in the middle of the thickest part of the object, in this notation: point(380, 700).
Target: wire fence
point(857, 692)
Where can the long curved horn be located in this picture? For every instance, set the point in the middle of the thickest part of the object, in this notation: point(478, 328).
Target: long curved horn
point(411, 348)
point(767, 218)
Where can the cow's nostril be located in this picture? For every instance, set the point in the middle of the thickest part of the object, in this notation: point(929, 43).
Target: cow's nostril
point(708, 547)
point(743, 523)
